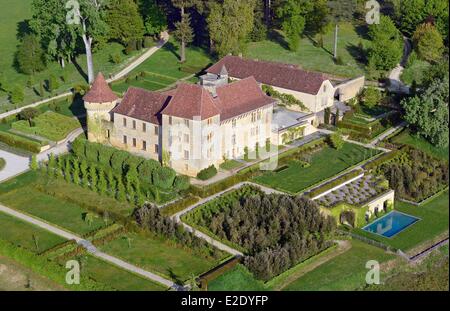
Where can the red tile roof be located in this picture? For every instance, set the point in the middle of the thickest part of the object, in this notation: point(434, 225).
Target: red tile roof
point(100, 92)
point(143, 105)
point(276, 74)
point(240, 97)
point(191, 100)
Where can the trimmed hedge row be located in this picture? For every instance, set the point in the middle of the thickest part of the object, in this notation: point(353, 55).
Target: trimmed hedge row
point(381, 159)
point(334, 183)
point(207, 173)
point(179, 205)
point(20, 142)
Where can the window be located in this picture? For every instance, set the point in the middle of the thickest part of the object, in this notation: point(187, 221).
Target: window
point(134, 124)
point(186, 138)
point(252, 131)
point(156, 148)
point(156, 130)
point(134, 142)
point(186, 122)
point(170, 120)
point(144, 145)
point(324, 88)
point(186, 167)
point(233, 139)
point(209, 137)
point(259, 115)
point(124, 122)
point(253, 116)
point(209, 121)
point(186, 154)
point(144, 127)
point(124, 139)
point(233, 123)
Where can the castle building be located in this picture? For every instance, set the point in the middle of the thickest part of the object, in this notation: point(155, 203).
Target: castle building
point(188, 128)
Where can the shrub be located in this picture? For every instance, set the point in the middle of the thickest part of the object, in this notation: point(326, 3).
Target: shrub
point(91, 151)
point(16, 94)
point(336, 141)
point(207, 173)
point(117, 160)
point(148, 42)
point(78, 147)
point(371, 97)
point(104, 155)
point(146, 168)
point(347, 217)
point(163, 177)
point(181, 182)
point(52, 83)
point(132, 162)
point(116, 58)
point(20, 142)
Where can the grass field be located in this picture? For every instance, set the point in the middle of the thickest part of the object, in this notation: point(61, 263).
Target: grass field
point(315, 58)
point(405, 137)
point(230, 165)
point(21, 194)
point(163, 68)
point(236, 279)
point(116, 277)
point(345, 272)
point(158, 255)
point(13, 15)
point(433, 221)
point(324, 164)
point(25, 235)
point(50, 125)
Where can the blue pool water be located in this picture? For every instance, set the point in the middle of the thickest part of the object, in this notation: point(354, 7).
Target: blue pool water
point(390, 224)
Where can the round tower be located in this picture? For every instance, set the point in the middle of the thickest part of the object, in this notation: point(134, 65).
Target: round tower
point(99, 102)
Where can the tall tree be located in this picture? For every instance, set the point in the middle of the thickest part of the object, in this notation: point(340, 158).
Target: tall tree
point(428, 42)
point(154, 17)
point(57, 36)
point(184, 34)
point(387, 45)
point(230, 24)
point(89, 17)
point(30, 56)
point(428, 112)
point(292, 14)
point(124, 21)
point(183, 26)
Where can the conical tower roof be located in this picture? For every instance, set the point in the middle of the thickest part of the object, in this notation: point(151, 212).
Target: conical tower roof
point(100, 91)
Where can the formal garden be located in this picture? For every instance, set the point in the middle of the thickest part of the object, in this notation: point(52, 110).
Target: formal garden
point(275, 232)
point(310, 167)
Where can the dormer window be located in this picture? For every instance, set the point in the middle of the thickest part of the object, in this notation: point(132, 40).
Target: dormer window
point(233, 123)
point(324, 88)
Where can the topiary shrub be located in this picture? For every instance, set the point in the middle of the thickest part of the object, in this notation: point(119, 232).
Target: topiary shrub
point(146, 168)
point(163, 177)
point(117, 160)
point(181, 182)
point(207, 173)
point(78, 147)
point(347, 217)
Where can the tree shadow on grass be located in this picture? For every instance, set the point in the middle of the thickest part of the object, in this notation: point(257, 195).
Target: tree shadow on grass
point(169, 46)
point(277, 37)
point(358, 53)
point(79, 69)
point(23, 29)
point(175, 278)
point(316, 44)
point(362, 31)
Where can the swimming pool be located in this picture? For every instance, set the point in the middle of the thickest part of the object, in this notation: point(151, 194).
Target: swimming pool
point(391, 224)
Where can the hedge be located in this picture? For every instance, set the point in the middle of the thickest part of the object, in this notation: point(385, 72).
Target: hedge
point(20, 142)
point(179, 205)
point(334, 183)
point(207, 173)
point(381, 159)
point(2, 163)
point(51, 270)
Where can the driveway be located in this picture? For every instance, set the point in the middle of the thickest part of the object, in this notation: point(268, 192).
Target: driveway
point(15, 165)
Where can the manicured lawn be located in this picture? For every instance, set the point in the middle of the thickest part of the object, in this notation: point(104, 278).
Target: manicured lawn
point(26, 235)
point(434, 221)
point(12, 18)
point(236, 279)
point(345, 272)
point(51, 125)
point(315, 58)
point(230, 165)
point(116, 277)
point(160, 256)
point(407, 138)
point(20, 193)
point(163, 68)
point(324, 164)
